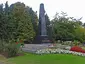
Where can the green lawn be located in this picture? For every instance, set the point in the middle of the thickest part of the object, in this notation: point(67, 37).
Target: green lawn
point(48, 59)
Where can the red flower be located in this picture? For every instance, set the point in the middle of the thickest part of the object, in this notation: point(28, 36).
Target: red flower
point(77, 49)
point(16, 42)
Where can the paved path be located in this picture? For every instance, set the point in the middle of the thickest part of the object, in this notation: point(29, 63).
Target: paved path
point(1, 63)
point(34, 47)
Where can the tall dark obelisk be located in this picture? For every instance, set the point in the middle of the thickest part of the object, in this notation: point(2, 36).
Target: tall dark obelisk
point(42, 36)
point(42, 22)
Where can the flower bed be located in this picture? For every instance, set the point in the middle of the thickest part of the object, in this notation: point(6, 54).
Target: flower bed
point(58, 51)
point(77, 49)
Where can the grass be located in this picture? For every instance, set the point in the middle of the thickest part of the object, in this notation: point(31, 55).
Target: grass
point(48, 59)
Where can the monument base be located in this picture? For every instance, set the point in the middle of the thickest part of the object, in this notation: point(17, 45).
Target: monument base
point(41, 39)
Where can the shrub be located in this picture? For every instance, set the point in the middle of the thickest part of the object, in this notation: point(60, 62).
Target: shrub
point(12, 49)
point(2, 45)
point(8, 49)
point(77, 49)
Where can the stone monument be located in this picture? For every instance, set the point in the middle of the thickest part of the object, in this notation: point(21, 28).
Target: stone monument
point(42, 36)
point(42, 22)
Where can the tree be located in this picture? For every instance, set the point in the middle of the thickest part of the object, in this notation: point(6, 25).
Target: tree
point(65, 28)
point(1, 19)
point(24, 28)
point(80, 34)
point(6, 9)
point(34, 19)
point(3, 22)
point(16, 22)
point(1, 8)
point(84, 25)
point(48, 26)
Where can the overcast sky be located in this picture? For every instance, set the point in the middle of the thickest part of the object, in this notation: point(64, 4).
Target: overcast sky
point(74, 8)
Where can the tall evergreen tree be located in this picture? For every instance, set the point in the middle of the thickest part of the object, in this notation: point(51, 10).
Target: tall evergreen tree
point(34, 19)
point(48, 26)
point(6, 8)
point(22, 20)
point(1, 8)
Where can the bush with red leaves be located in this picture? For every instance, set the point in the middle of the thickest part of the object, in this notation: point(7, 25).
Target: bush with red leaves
point(77, 49)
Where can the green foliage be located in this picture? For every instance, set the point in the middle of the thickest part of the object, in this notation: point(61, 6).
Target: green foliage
point(80, 34)
point(34, 19)
point(9, 48)
point(16, 24)
point(24, 27)
point(67, 28)
point(1, 46)
point(12, 49)
point(48, 26)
